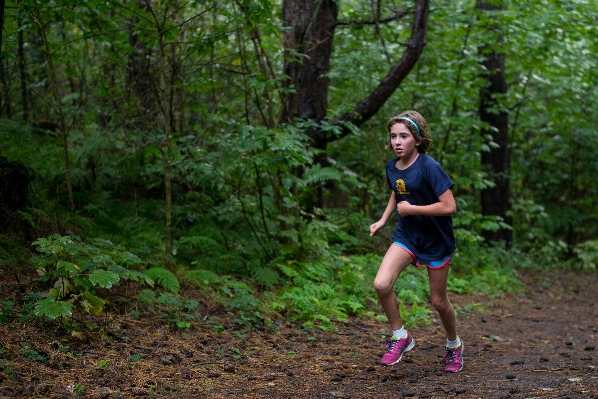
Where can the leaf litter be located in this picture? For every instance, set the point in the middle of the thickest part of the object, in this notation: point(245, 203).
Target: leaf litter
point(545, 350)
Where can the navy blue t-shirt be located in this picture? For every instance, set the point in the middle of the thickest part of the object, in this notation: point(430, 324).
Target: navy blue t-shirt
point(428, 237)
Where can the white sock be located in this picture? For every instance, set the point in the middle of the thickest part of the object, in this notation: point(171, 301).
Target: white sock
point(400, 333)
point(453, 344)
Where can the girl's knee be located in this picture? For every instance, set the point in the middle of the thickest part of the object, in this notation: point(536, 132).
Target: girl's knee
point(441, 303)
point(382, 287)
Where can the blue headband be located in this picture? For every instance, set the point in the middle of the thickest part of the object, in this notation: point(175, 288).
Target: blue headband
point(413, 123)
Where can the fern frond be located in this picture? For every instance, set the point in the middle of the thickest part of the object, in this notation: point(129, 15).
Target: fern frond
point(318, 174)
point(201, 278)
point(266, 277)
point(202, 243)
point(165, 278)
point(287, 270)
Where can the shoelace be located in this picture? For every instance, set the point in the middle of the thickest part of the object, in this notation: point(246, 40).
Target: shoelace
point(450, 355)
point(391, 344)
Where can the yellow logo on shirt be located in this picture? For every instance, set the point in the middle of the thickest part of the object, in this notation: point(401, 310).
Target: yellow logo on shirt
point(401, 187)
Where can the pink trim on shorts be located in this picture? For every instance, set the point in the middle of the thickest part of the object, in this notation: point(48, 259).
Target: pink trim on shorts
point(404, 248)
point(430, 264)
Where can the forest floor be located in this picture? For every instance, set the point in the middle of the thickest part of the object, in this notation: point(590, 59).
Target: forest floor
point(536, 344)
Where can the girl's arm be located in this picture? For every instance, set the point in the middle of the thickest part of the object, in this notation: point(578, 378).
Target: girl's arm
point(444, 207)
point(390, 209)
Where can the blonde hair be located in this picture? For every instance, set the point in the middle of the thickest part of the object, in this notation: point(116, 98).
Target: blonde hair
point(419, 130)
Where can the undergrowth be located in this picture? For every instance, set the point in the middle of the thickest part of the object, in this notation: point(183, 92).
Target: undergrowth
point(248, 239)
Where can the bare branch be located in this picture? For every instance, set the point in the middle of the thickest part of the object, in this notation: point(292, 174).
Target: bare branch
point(370, 105)
point(362, 22)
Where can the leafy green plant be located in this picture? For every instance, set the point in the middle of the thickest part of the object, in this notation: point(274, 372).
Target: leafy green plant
point(7, 311)
point(236, 352)
point(32, 354)
point(76, 270)
point(415, 315)
point(78, 389)
point(175, 308)
point(319, 305)
point(165, 278)
point(485, 270)
point(133, 359)
point(587, 255)
point(8, 368)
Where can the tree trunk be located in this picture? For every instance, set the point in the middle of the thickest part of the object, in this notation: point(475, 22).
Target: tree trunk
point(141, 79)
point(308, 46)
point(22, 70)
point(496, 161)
point(4, 97)
point(58, 104)
point(165, 104)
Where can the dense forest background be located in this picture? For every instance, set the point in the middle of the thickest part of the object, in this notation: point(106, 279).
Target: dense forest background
point(231, 153)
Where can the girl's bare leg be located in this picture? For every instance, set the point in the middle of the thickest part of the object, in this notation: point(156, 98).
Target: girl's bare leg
point(394, 262)
point(438, 281)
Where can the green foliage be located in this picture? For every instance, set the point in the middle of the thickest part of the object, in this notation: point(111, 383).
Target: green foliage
point(165, 278)
point(486, 270)
point(201, 278)
point(258, 222)
point(133, 359)
point(175, 308)
point(52, 309)
point(7, 311)
point(78, 389)
point(319, 303)
point(31, 354)
point(415, 316)
point(8, 368)
point(587, 255)
point(76, 272)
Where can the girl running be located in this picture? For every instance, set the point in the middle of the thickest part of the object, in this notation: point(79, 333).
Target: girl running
point(421, 194)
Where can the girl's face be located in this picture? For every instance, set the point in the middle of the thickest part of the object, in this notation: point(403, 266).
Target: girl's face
point(402, 141)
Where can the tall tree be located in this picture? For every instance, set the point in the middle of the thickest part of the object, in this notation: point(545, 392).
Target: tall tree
point(2, 6)
point(22, 68)
point(496, 160)
point(56, 90)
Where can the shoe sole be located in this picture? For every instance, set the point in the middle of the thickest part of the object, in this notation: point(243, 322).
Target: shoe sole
point(456, 371)
point(411, 345)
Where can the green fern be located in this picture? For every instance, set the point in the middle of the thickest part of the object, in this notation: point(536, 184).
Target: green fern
point(165, 278)
point(288, 270)
point(318, 174)
point(244, 302)
point(205, 244)
point(321, 303)
point(266, 277)
point(200, 278)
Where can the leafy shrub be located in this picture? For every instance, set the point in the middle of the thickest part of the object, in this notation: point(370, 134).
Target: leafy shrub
point(76, 270)
point(485, 270)
point(587, 255)
point(320, 303)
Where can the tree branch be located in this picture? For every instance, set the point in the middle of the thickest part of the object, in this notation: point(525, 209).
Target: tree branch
point(386, 20)
point(377, 98)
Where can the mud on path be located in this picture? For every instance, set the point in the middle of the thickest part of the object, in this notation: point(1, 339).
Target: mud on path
point(539, 344)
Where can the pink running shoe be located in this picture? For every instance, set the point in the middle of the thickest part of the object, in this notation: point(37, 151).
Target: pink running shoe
point(396, 349)
point(453, 361)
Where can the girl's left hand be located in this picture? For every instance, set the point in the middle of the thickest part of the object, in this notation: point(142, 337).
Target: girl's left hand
point(403, 208)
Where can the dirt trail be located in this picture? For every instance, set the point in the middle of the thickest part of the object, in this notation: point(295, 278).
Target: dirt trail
point(540, 344)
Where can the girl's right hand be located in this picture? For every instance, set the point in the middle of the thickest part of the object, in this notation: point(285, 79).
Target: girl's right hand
point(374, 228)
